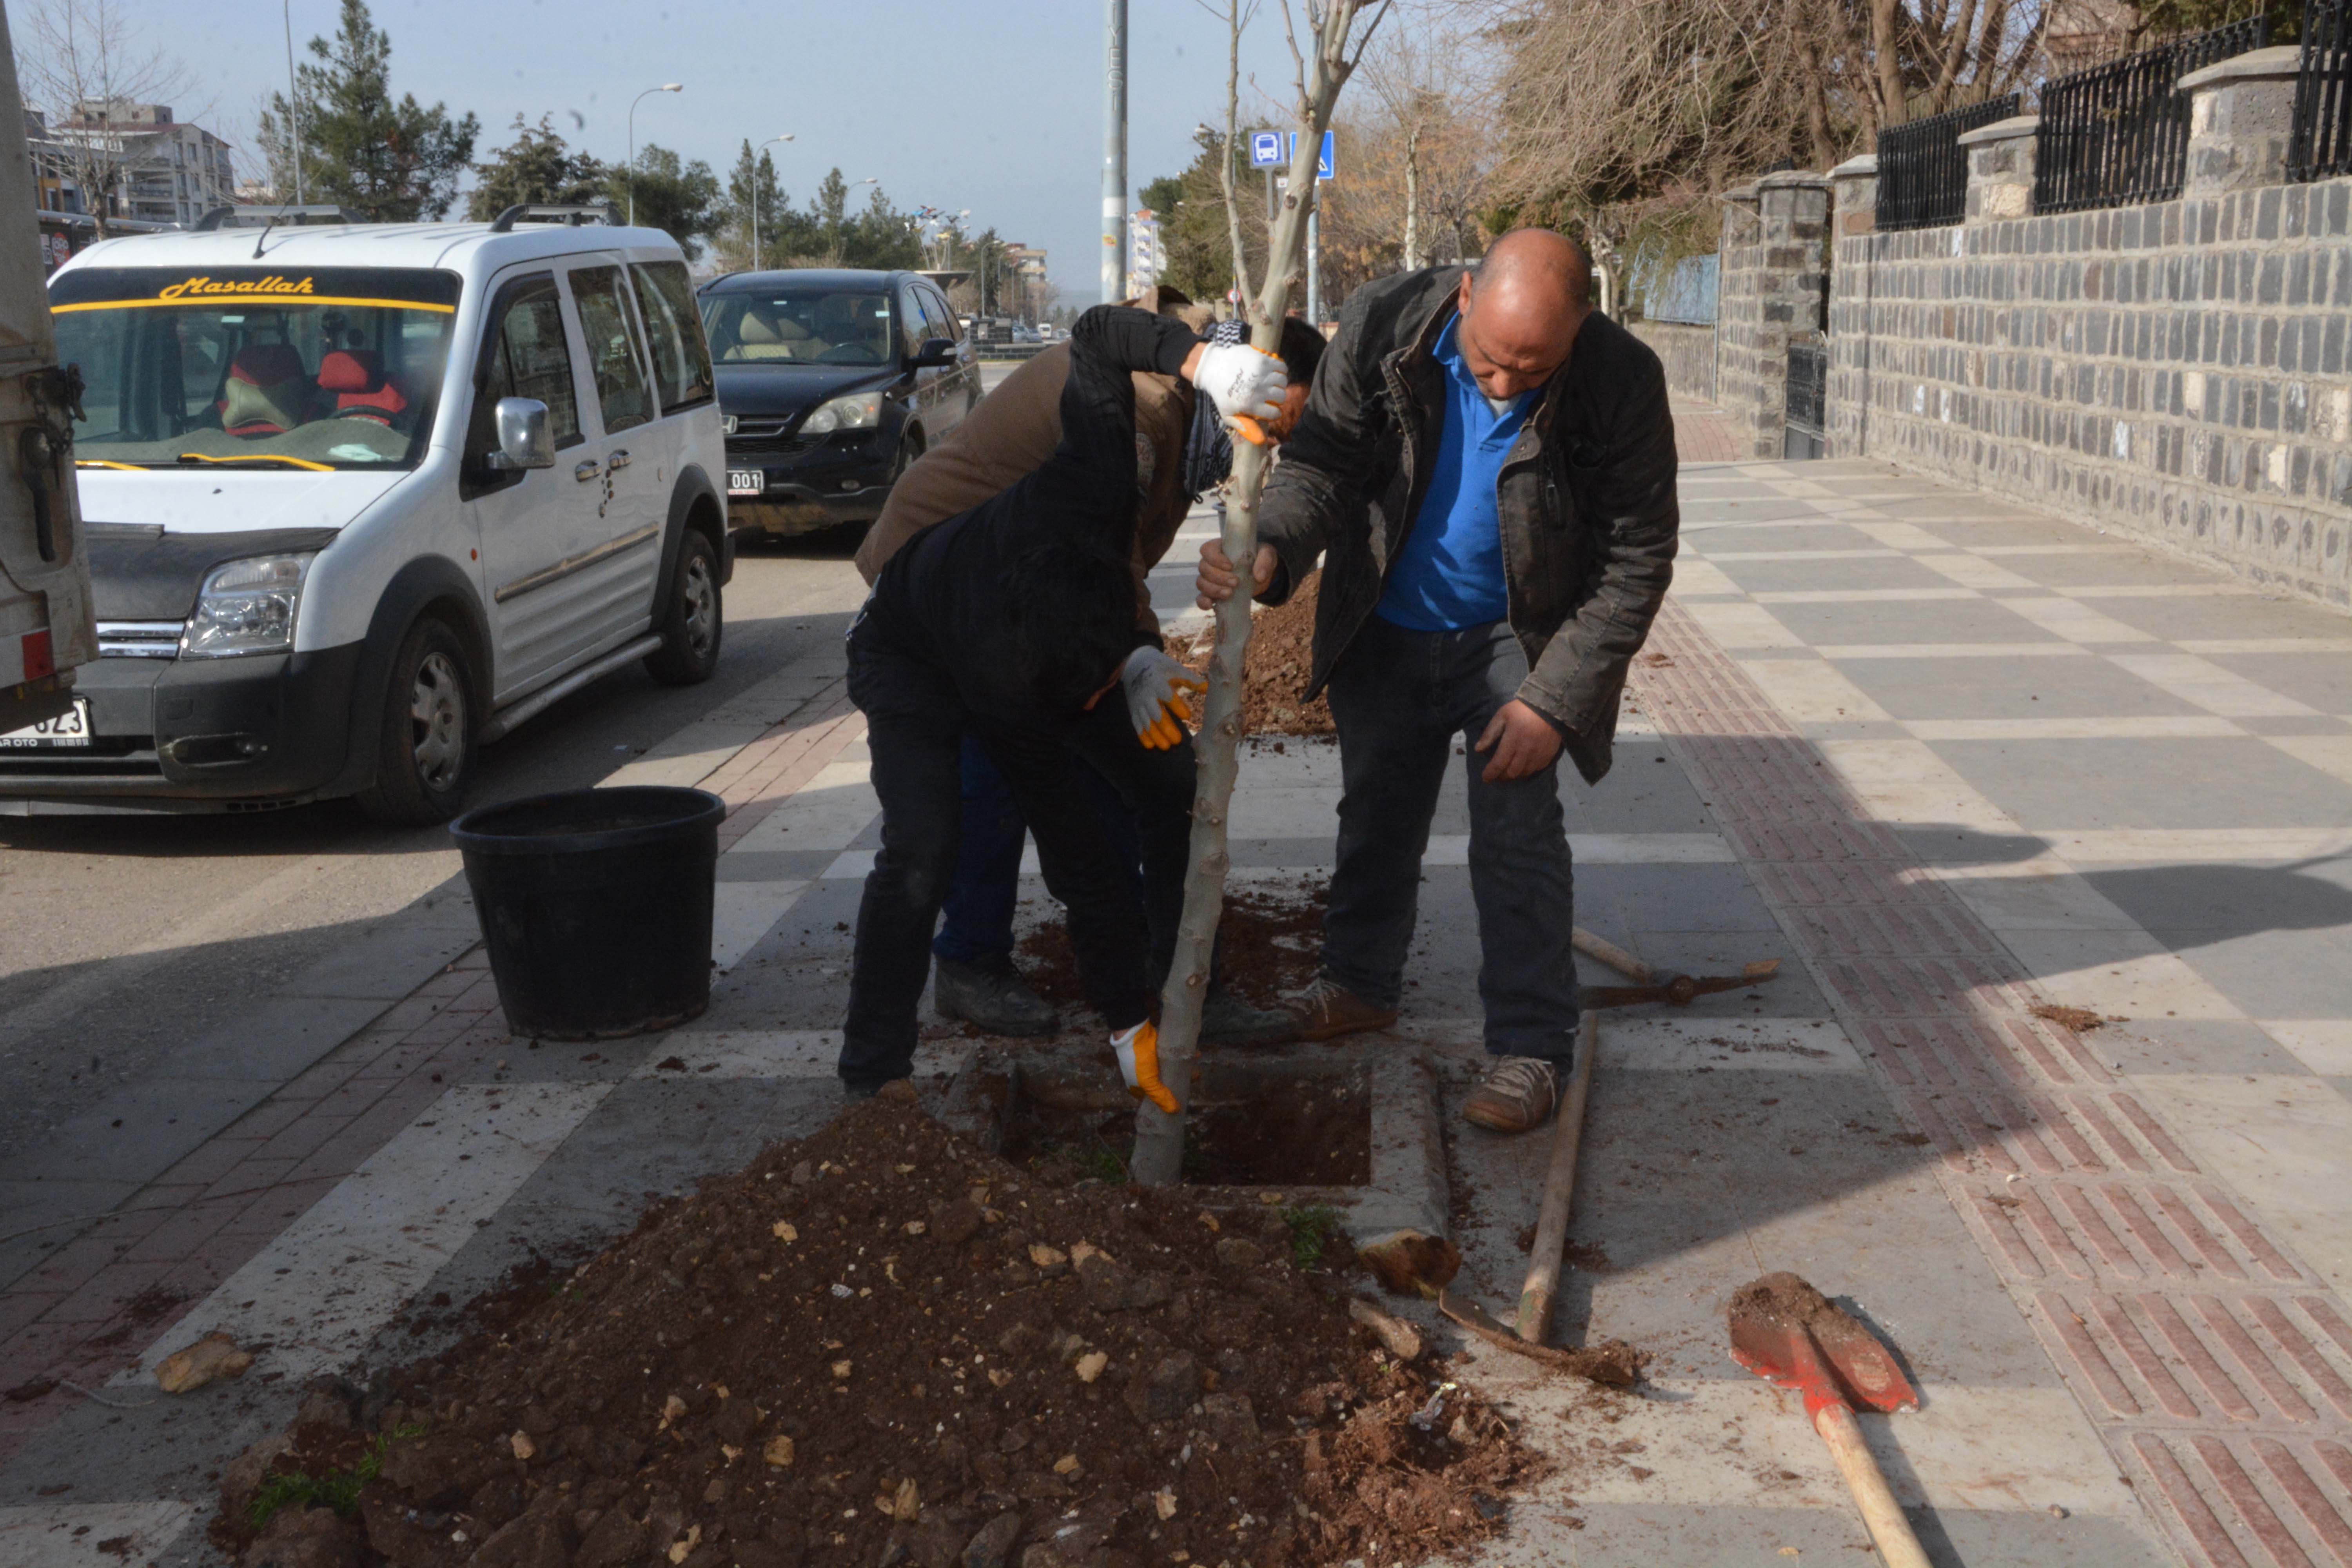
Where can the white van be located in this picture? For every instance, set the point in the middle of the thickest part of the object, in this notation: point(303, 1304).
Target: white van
point(362, 498)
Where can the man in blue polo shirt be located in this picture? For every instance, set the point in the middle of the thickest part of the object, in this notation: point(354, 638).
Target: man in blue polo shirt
point(1487, 470)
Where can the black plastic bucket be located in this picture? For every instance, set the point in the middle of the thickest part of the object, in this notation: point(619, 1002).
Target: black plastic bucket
point(595, 904)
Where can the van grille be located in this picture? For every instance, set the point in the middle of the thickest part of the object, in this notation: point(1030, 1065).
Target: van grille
point(138, 639)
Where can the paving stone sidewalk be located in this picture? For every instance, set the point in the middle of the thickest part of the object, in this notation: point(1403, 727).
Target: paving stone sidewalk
point(1952, 761)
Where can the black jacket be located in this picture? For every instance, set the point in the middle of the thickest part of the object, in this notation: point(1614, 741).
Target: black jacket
point(1586, 497)
point(939, 599)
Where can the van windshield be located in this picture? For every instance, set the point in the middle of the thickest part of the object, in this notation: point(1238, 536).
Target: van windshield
point(795, 326)
point(328, 368)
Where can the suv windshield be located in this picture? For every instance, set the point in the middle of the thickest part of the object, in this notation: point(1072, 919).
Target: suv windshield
point(330, 368)
point(794, 326)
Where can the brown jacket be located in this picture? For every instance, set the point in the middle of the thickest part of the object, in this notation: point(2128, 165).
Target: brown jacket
point(1011, 434)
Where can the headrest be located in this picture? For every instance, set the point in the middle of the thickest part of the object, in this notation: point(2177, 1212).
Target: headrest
point(351, 370)
point(756, 328)
point(265, 364)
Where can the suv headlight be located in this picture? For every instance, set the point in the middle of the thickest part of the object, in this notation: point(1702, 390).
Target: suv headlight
point(246, 606)
point(858, 411)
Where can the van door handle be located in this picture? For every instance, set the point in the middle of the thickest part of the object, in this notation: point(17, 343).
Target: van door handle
point(586, 471)
point(617, 462)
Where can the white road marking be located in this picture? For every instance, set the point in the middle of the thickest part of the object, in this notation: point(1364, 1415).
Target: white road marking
point(89, 1534)
point(334, 1277)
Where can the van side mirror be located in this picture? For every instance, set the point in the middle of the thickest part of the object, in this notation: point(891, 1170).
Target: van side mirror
point(934, 353)
point(524, 439)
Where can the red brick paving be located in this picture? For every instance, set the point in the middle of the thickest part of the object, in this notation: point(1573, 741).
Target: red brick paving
point(2217, 1366)
point(199, 1221)
point(1702, 434)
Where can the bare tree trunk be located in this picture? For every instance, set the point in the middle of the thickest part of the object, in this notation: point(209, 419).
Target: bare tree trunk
point(1236, 19)
point(1159, 1136)
point(1886, 53)
point(1413, 198)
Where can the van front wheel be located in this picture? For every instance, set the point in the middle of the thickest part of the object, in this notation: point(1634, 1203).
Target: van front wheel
point(693, 621)
point(425, 751)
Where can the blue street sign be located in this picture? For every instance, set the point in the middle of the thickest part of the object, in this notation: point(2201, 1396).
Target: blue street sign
point(1322, 165)
point(1266, 149)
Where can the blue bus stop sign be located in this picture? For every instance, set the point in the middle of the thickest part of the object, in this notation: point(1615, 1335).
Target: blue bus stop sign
point(1322, 163)
point(1266, 149)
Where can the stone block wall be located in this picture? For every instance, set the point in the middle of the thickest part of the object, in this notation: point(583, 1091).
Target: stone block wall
point(2177, 371)
point(1771, 284)
point(1687, 352)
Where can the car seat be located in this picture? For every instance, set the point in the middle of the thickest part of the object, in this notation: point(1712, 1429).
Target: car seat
point(268, 392)
point(764, 335)
point(356, 378)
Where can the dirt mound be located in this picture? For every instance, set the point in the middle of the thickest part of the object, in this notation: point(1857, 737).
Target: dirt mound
point(880, 1346)
point(1280, 663)
point(1270, 941)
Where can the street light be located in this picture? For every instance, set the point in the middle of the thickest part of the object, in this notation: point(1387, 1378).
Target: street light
point(755, 194)
point(666, 87)
point(293, 107)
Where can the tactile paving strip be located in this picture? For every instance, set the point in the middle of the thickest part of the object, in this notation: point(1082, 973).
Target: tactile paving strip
point(2217, 1366)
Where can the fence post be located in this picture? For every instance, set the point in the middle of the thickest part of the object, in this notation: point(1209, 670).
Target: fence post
point(2241, 119)
point(1853, 207)
point(2000, 169)
point(1770, 287)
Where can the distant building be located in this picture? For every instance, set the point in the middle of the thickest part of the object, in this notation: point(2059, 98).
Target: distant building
point(166, 172)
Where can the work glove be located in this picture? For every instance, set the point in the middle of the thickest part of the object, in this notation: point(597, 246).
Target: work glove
point(1246, 384)
point(1139, 1063)
point(1159, 697)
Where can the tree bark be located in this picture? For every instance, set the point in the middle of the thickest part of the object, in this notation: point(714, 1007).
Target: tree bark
point(1413, 198)
point(1159, 1157)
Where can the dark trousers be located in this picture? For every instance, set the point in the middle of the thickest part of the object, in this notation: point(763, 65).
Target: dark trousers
point(976, 921)
point(916, 724)
point(1400, 698)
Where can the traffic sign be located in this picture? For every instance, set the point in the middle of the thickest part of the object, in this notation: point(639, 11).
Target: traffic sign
point(1266, 149)
point(1322, 163)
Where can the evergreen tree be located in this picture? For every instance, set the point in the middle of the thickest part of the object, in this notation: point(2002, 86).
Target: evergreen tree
point(671, 195)
point(389, 162)
point(786, 234)
point(881, 237)
point(827, 212)
point(535, 167)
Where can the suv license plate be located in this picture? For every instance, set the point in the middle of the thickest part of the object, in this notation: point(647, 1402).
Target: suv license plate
point(746, 482)
point(70, 728)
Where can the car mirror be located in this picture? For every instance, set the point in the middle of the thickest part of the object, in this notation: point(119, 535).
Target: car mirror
point(524, 439)
point(935, 351)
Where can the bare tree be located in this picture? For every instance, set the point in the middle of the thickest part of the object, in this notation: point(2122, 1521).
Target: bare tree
point(1336, 48)
point(83, 70)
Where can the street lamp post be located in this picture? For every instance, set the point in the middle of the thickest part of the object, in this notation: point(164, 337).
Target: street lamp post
point(755, 194)
point(293, 107)
point(666, 87)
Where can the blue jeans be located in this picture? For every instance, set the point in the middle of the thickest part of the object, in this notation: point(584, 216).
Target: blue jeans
point(976, 924)
point(1399, 697)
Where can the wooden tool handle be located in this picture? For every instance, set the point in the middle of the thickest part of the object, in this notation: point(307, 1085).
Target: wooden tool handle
point(1559, 1190)
point(1888, 1528)
point(1615, 957)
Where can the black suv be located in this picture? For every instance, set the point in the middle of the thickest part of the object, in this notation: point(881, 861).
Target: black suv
point(830, 382)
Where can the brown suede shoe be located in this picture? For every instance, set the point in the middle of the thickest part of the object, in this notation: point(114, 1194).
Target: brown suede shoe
point(1326, 1009)
point(1518, 1095)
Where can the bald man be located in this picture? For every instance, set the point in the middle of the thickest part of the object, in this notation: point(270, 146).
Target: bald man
point(1486, 467)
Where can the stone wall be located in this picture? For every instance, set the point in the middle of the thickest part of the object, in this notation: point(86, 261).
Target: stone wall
point(2176, 372)
point(1688, 353)
point(1773, 281)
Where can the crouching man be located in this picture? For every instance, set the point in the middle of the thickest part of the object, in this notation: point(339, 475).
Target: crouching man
point(1015, 623)
point(1487, 468)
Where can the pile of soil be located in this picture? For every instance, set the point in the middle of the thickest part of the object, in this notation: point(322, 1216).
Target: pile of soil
point(1270, 941)
point(881, 1346)
point(1280, 663)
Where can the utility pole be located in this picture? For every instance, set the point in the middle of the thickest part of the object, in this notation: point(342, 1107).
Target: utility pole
point(1114, 179)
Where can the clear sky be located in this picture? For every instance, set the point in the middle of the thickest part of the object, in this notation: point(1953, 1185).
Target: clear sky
point(995, 107)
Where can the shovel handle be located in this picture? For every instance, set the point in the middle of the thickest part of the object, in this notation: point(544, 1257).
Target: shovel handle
point(1880, 1512)
point(1542, 1284)
point(1615, 957)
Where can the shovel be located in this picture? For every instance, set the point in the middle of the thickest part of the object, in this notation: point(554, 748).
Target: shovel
point(1789, 1334)
point(1655, 984)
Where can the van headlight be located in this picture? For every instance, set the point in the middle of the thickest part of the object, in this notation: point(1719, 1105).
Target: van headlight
point(246, 606)
point(858, 411)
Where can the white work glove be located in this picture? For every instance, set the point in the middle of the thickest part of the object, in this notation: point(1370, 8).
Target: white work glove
point(1139, 1063)
point(1244, 383)
point(1159, 697)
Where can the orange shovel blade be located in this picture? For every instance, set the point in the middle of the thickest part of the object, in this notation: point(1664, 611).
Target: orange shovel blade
point(1788, 1333)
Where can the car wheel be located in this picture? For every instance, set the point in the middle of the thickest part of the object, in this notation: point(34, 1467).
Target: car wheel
point(694, 622)
point(425, 751)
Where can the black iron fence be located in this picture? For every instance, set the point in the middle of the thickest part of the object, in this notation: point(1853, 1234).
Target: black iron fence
point(2322, 142)
point(1922, 170)
point(2119, 134)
